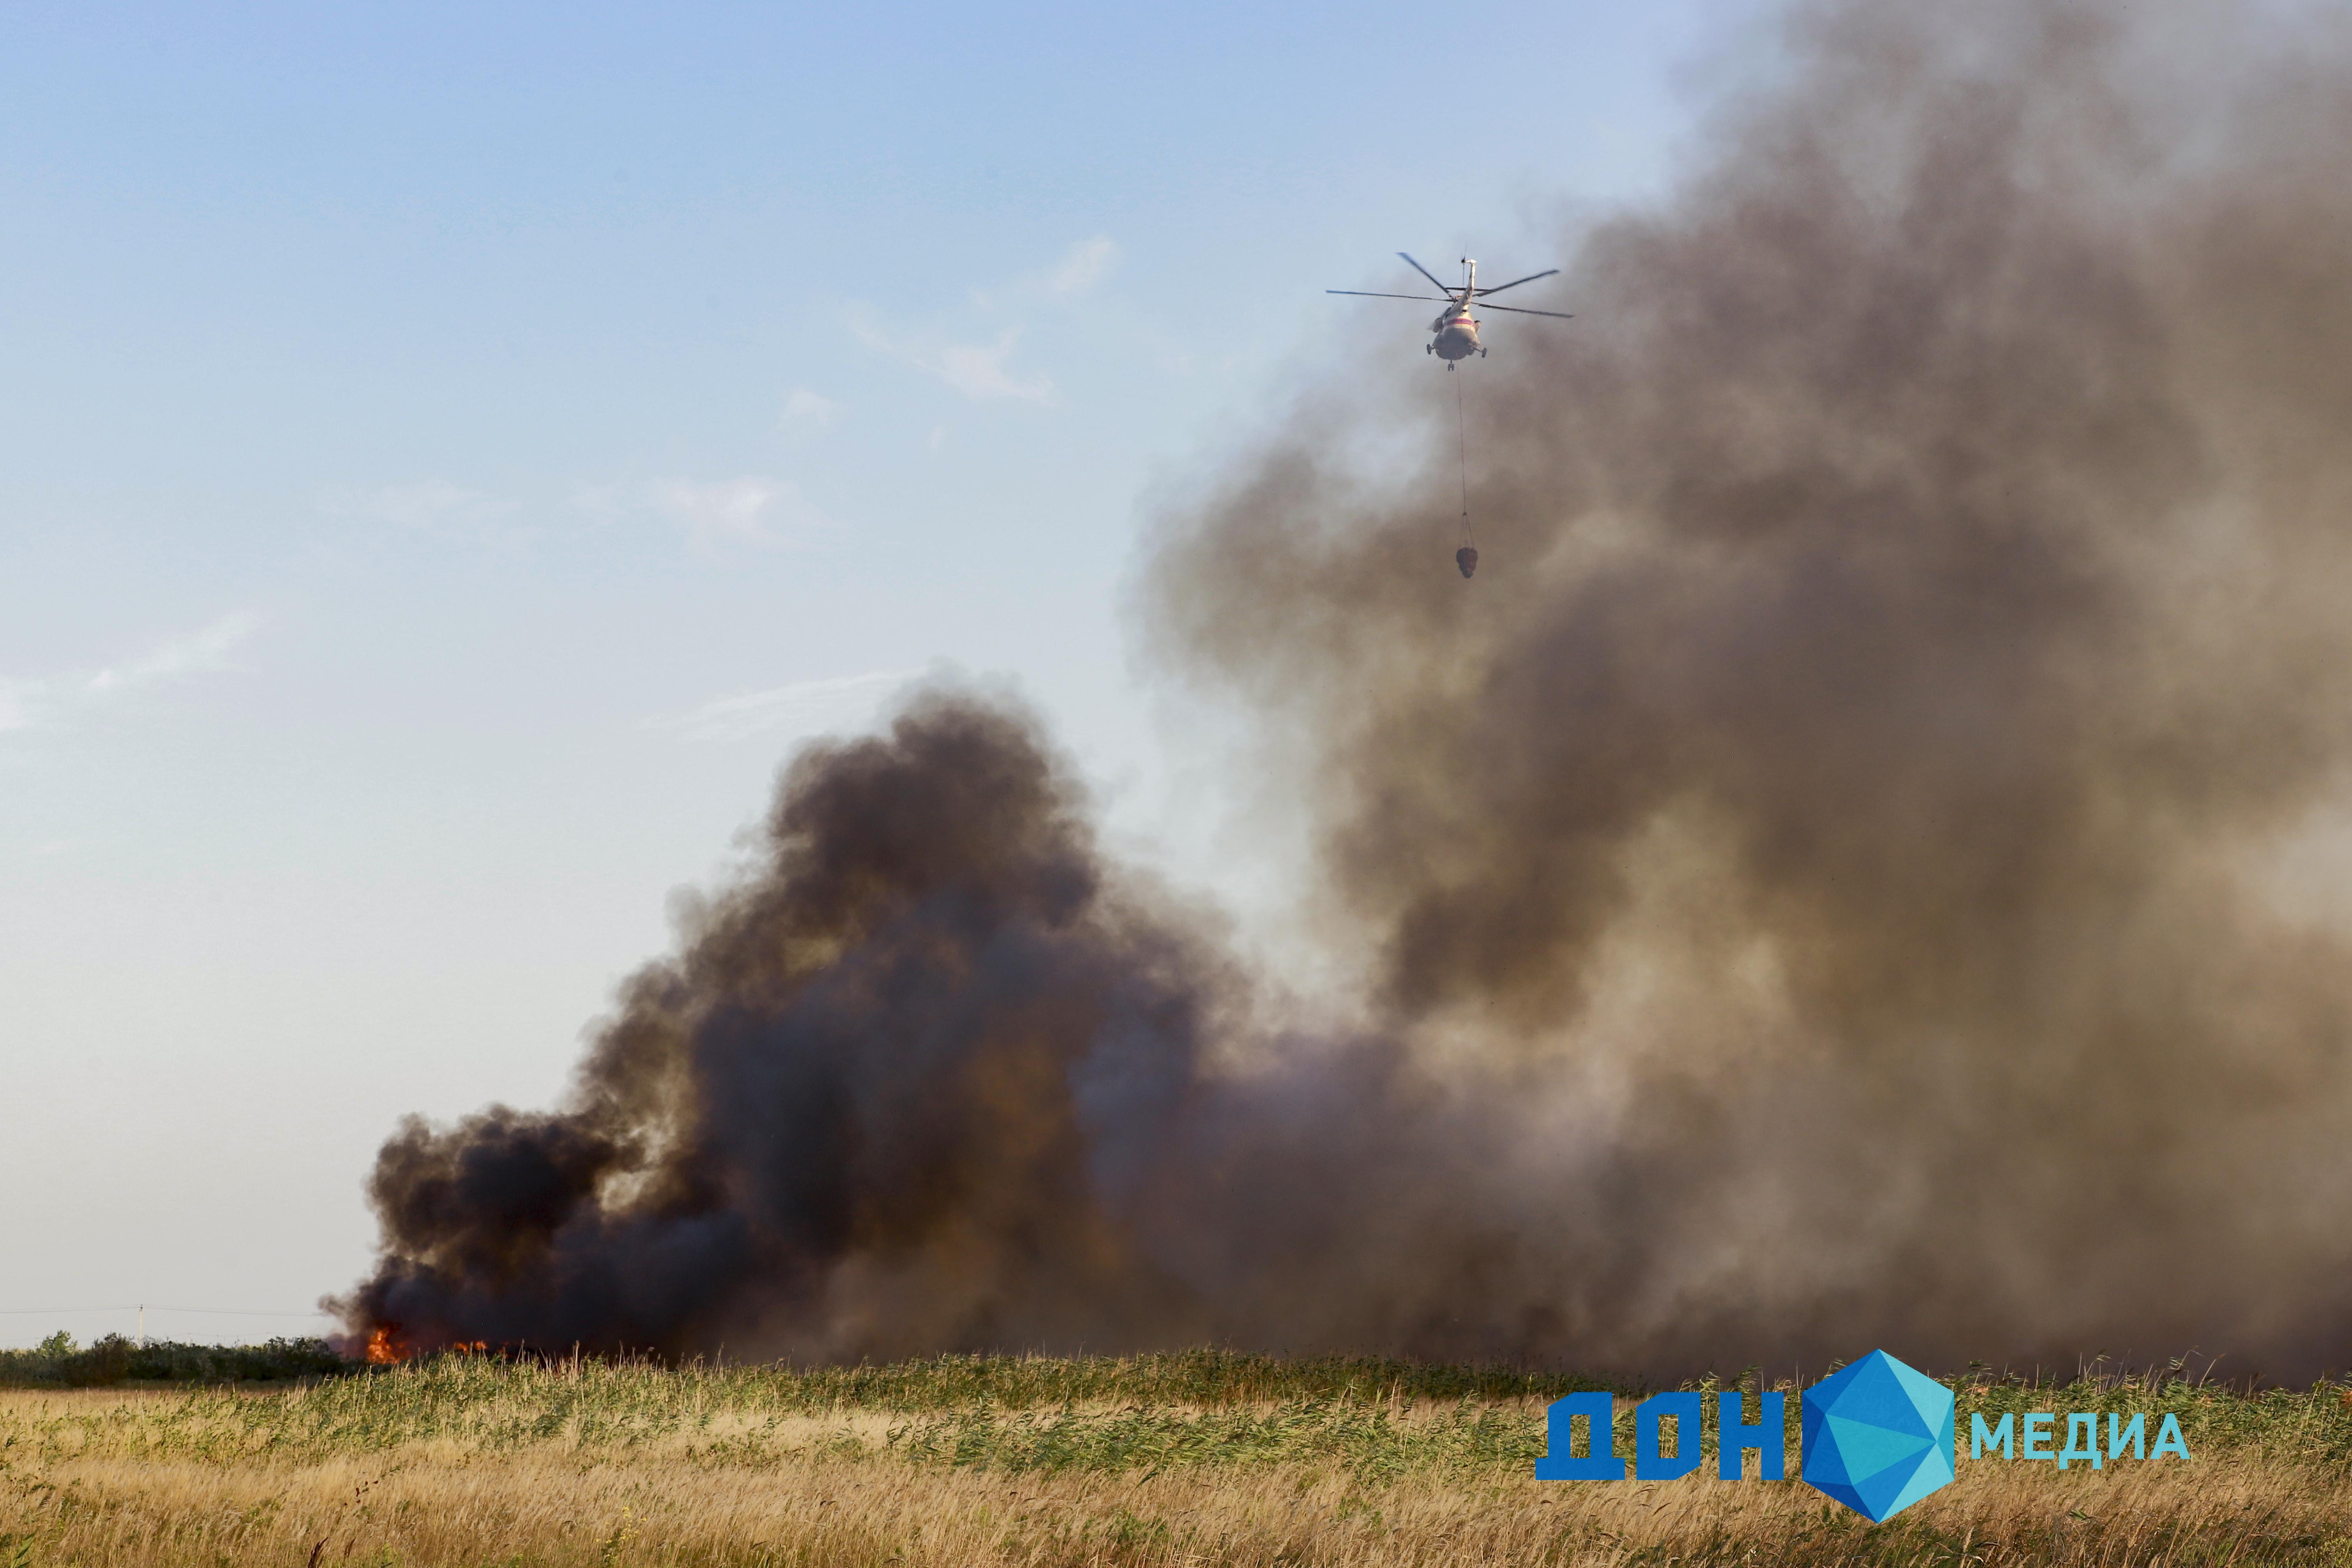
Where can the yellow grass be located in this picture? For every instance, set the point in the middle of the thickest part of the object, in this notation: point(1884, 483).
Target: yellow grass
point(138, 1478)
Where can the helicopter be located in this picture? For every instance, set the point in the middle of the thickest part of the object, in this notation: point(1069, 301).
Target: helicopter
point(1454, 333)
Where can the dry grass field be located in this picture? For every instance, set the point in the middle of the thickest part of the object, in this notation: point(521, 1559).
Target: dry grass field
point(1205, 1459)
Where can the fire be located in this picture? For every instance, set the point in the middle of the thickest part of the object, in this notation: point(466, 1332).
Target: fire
point(387, 1347)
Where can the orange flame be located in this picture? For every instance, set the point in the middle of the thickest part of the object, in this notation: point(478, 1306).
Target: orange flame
point(384, 1346)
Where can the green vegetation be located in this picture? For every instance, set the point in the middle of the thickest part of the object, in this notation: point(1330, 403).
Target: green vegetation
point(1199, 1377)
point(1032, 1412)
point(59, 1362)
point(1193, 1407)
point(1200, 1458)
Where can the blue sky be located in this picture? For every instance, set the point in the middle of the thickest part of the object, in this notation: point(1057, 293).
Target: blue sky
point(449, 453)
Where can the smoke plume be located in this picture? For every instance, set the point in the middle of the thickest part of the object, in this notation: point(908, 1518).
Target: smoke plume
point(1850, 870)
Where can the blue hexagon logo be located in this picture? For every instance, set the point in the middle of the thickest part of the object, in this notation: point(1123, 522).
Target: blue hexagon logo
point(1877, 1437)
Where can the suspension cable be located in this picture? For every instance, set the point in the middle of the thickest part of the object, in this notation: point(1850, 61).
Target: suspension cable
point(1462, 451)
point(1467, 557)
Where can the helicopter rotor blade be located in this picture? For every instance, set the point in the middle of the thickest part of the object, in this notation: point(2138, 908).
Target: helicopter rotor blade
point(1366, 294)
point(1550, 272)
point(1517, 311)
point(1425, 272)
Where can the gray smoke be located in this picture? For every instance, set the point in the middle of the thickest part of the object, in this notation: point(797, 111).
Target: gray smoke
point(1840, 875)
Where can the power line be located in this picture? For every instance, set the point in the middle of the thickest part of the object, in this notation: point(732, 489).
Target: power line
point(152, 1307)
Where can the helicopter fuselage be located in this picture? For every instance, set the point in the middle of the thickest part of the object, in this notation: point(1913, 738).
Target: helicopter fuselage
point(1455, 335)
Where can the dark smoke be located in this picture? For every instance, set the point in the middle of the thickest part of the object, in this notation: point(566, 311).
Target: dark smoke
point(1847, 871)
point(890, 1096)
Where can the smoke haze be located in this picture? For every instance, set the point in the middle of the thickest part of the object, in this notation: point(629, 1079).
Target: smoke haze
point(1840, 876)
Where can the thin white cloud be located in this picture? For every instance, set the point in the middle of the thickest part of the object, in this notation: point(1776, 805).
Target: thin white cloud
point(27, 704)
point(806, 412)
point(18, 701)
point(201, 654)
point(752, 509)
point(979, 371)
point(434, 507)
point(984, 372)
point(803, 706)
point(1088, 263)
